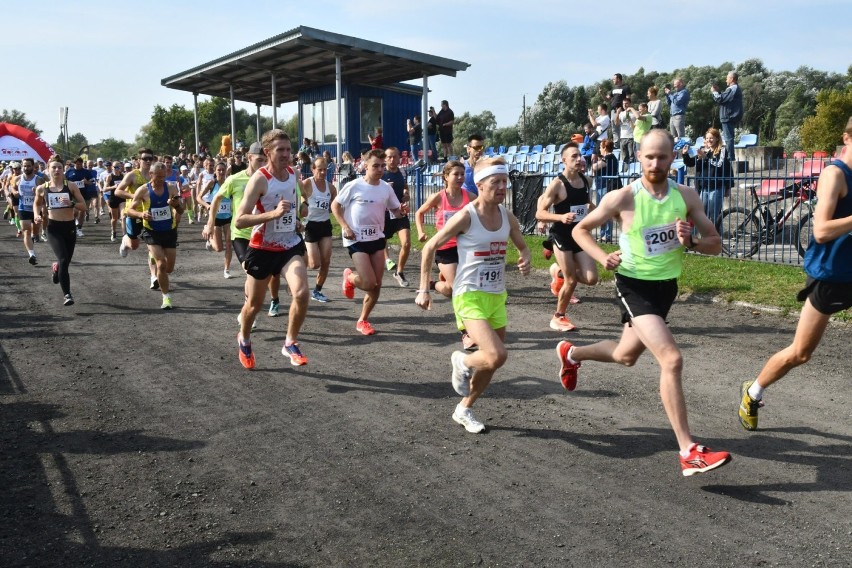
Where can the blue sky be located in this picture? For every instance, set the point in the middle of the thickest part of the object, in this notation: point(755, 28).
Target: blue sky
point(105, 61)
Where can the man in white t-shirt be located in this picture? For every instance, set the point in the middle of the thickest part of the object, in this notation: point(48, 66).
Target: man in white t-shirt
point(601, 122)
point(625, 120)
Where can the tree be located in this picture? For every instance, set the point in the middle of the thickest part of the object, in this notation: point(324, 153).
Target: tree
point(112, 149)
point(77, 144)
point(550, 120)
point(506, 136)
point(463, 126)
point(581, 105)
point(17, 117)
point(823, 131)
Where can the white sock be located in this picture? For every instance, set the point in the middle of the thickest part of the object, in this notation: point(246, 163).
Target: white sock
point(32, 252)
point(685, 453)
point(166, 296)
point(755, 391)
point(568, 356)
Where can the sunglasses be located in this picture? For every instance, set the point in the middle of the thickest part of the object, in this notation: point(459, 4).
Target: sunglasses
point(147, 158)
point(477, 148)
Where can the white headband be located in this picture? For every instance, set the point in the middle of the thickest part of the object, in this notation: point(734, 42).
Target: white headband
point(490, 171)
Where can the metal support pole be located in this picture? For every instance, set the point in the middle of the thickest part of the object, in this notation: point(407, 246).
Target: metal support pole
point(258, 121)
point(195, 120)
point(233, 120)
point(338, 90)
point(274, 103)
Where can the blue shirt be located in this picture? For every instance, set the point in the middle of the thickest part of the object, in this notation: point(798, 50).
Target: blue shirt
point(832, 261)
point(677, 101)
point(469, 184)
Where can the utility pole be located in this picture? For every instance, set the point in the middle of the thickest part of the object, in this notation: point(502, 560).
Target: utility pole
point(524, 128)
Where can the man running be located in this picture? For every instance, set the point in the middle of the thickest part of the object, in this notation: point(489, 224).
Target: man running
point(828, 264)
point(158, 205)
point(399, 224)
point(24, 189)
point(271, 207)
point(568, 194)
point(113, 180)
point(482, 230)
point(360, 211)
point(85, 182)
point(655, 215)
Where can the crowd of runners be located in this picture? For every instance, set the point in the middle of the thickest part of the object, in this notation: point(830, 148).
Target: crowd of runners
point(278, 225)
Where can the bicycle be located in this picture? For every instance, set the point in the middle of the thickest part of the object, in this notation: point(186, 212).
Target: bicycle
point(743, 231)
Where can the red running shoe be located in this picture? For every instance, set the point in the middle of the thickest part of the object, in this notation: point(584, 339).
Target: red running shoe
point(246, 354)
point(561, 323)
point(348, 287)
point(701, 459)
point(364, 327)
point(556, 281)
point(567, 370)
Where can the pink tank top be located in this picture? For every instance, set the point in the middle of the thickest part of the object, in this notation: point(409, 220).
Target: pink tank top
point(445, 211)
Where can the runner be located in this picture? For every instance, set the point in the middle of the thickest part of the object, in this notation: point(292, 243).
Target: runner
point(85, 182)
point(234, 189)
point(568, 194)
point(99, 169)
point(158, 205)
point(448, 202)
point(828, 264)
point(482, 230)
point(113, 180)
point(12, 197)
point(399, 224)
point(62, 201)
point(220, 238)
point(360, 211)
point(318, 193)
point(133, 180)
point(270, 205)
point(24, 189)
point(655, 215)
point(205, 175)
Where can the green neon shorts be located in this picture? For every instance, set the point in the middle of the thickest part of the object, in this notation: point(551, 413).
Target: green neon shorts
point(477, 305)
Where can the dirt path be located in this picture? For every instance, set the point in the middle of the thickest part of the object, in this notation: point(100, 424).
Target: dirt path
point(133, 437)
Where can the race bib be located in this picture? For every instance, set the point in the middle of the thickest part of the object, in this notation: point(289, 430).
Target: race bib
point(660, 239)
point(491, 277)
point(161, 213)
point(80, 184)
point(285, 223)
point(57, 200)
point(224, 208)
point(448, 215)
point(580, 212)
point(368, 233)
point(27, 200)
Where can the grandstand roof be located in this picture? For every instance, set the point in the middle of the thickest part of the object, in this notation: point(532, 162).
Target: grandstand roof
point(304, 58)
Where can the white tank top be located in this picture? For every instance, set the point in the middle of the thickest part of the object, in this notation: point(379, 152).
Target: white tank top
point(279, 234)
point(319, 203)
point(26, 188)
point(482, 256)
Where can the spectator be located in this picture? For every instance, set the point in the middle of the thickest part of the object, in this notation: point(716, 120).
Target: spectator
point(376, 142)
point(677, 100)
point(601, 121)
point(432, 135)
point(306, 146)
point(415, 135)
point(713, 173)
point(624, 121)
point(330, 167)
point(730, 109)
point(605, 168)
point(644, 122)
point(587, 147)
point(305, 165)
point(446, 118)
point(655, 107)
point(315, 150)
point(615, 97)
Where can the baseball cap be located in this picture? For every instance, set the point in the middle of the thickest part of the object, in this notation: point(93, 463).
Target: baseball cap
point(256, 148)
point(100, 160)
point(128, 165)
point(184, 168)
point(107, 163)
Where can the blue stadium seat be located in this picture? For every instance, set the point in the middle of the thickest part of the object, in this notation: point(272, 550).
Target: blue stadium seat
point(502, 150)
point(537, 149)
point(524, 150)
point(550, 148)
point(489, 151)
point(746, 141)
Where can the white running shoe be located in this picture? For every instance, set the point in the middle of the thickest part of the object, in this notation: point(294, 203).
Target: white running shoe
point(227, 274)
point(80, 233)
point(464, 416)
point(122, 250)
point(461, 374)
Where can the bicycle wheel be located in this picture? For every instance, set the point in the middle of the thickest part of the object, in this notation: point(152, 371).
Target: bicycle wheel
point(741, 232)
point(803, 236)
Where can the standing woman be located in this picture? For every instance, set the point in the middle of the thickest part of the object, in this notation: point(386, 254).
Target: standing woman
point(317, 194)
point(713, 173)
point(61, 200)
point(448, 202)
point(655, 107)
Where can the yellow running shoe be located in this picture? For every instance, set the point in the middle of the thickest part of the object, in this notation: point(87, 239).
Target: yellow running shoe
point(748, 407)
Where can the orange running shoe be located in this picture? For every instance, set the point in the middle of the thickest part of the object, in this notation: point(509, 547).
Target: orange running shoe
point(246, 354)
point(556, 281)
point(364, 327)
point(567, 370)
point(561, 323)
point(348, 287)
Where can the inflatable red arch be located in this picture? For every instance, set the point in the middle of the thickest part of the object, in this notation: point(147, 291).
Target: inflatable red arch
point(17, 143)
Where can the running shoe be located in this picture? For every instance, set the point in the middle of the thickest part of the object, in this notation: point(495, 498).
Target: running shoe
point(365, 328)
point(245, 352)
point(748, 407)
point(97, 220)
point(348, 287)
point(319, 296)
point(574, 300)
point(55, 269)
point(461, 374)
point(701, 459)
point(547, 249)
point(226, 274)
point(556, 281)
point(112, 237)
point(400, 279)
point(390, 264)
point(18, 233)
point(567, 370)
point(209, 246)
point(69, 301)
point(155, 284)
point(87, 215)
point(122, 249)
point(191, 221)
point(33, 260)
point(274, 307)
point(36, 239)
point(464, 416)
point(80, 233)
point(44, 236)
point(295, 354)
point(467, 342)
point(240, 321)
point(561, 323)
point(167, 303)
